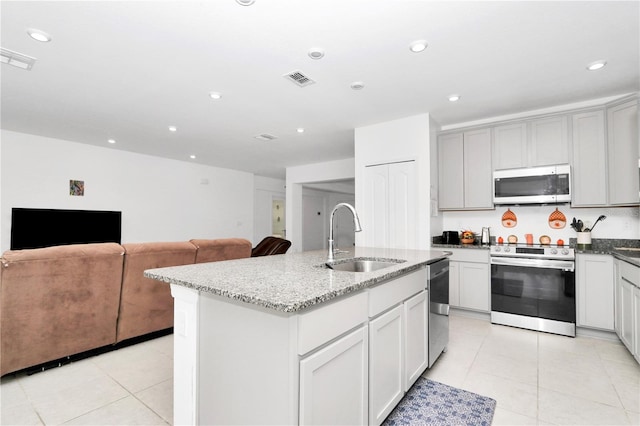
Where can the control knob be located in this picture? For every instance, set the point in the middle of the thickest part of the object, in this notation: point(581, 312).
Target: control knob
point(565, 252)
point(554, 251)
point(507, 249)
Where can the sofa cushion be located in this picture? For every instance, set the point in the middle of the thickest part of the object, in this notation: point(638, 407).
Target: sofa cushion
point(146, 305)
point(221, 249)
point(57, 301)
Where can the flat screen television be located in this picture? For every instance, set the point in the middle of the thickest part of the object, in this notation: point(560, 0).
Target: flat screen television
point(37, 228)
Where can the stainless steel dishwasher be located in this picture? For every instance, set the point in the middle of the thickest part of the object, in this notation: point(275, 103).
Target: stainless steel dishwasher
point(438, 290)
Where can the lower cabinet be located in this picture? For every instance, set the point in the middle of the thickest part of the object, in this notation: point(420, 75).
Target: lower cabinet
point(469, 279)
point(333, 382)
point(386, 370)
point(595, 291)
point(416, 339)
point(627, 303)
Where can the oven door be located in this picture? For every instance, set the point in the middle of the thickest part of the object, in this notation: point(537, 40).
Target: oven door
point(538, 294)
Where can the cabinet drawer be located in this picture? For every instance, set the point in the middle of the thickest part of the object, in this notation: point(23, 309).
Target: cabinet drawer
point(630, 273)
point(390, 293)
point(469, 255)
point(318, 326)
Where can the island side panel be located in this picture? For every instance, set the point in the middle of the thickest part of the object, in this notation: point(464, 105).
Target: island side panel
point(185, 355)
point(248, 369)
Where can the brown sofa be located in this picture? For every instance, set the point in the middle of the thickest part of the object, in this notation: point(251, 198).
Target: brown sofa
point(61, 301)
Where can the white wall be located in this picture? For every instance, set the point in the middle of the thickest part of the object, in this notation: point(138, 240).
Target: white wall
point(160, 199)
point(266, 190)
point(310, 173)
point(317, 206)
point(409, 138)
point(621, 222)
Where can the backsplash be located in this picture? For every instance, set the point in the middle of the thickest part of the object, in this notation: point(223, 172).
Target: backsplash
point(621, 222)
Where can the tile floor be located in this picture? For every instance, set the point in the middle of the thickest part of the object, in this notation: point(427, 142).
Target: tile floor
point(537, 379)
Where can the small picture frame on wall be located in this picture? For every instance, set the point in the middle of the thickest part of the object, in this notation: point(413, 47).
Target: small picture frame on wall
point(76, 188)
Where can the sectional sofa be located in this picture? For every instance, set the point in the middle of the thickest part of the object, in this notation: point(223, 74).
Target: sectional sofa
point(60, 301)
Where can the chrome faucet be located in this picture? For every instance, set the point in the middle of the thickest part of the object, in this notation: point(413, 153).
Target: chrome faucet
point(356, 222)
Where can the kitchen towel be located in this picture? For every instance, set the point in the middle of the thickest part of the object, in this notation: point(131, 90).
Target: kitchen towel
point(434, 403)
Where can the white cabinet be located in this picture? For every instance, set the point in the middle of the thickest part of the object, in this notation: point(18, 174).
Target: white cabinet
point(416, 342)
point(595, 291)
point(628, 306)
point(398, 351)
point(622, 143)
point(589, 159)
point(537, 142)
point(333, 382)
point(549, 141)
point(386, 372)
point(469, 279)
point(510, 146)
point(389, 214)
point(464, 181)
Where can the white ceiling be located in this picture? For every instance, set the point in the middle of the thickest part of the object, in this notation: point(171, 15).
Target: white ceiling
point(128, 70)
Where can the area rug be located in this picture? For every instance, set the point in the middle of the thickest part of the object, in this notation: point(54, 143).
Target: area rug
point(434, 403)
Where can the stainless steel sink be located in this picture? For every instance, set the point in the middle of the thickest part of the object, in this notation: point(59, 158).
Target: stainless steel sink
point(362, 264)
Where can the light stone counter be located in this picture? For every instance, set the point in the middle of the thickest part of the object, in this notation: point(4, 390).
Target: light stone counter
point(291, 282)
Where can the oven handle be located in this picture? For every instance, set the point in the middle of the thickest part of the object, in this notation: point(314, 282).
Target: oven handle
point(534, 263)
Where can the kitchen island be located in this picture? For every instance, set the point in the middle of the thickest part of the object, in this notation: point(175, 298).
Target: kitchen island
point(286, 340)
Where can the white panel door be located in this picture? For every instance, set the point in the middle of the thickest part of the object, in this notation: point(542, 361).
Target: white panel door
point(626, 314)
point(595, 291)
point(474, 286)
point(416, 320)
point(451, 171)
point(549, 141)
point(589, 177)
point(478, 176)
point(333, 382)
point(622, 122)
point(375, 216)
point(509, 147)
point(402, 205)
point(386, 364)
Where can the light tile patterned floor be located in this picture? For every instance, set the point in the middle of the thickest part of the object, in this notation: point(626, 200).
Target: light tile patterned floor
point(537, 379)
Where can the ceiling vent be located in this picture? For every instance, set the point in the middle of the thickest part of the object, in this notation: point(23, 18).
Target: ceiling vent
point(16, 59)
point(298, 78)
point(266, 137)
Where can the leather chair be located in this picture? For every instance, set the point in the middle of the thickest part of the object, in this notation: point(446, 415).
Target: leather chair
point(271, 245)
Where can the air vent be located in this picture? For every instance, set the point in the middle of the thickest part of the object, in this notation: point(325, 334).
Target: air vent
point(266, 137)
point(16, 59)
point(299, 78)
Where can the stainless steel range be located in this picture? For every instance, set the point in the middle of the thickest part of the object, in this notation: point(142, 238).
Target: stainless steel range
point(533, 287)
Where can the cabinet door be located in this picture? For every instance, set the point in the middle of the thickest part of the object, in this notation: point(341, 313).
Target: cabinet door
point(416, 328)
point(626, 314)
point(549, 141)
point(622, 131)
point(589, 160)
point(375, 214)
point(509, 147)
point(595, 291)
point(402, 205)
point(451, 172)
point(478, 185)
point(454, 283)
point(474, 286)
point(333, 382)
point(386, 364)
point(636, 323)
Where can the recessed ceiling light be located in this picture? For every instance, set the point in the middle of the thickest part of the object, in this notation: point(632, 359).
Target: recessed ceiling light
point(596, 65)
point(245, 2)
point(454, 98)
point(215, 95)
point(173, 129)
point(193, 157)
point(316, 53)
point(418, 46)
point(39, 35)
point(111, 141)
point(300, 130)
point(357, 85)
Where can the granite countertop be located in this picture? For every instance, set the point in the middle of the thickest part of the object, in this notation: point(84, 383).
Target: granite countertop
point(291, 282)
point(627, 250)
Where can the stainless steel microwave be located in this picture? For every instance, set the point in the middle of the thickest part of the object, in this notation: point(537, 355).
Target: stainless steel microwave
point(533, 185)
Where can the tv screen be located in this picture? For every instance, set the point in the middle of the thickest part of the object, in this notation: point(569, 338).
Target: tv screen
point(37, 228)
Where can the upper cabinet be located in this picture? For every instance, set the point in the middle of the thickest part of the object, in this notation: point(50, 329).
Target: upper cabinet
point(538, 142)
point(465, 171)
point(589, 159)
point(622, 144)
